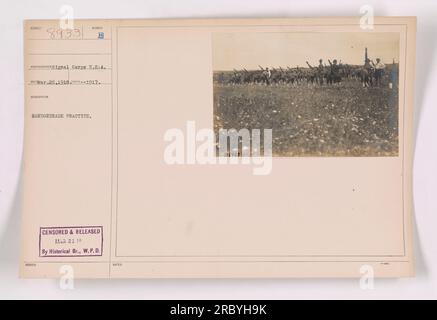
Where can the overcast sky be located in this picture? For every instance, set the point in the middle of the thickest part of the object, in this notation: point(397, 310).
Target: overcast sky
point(248, 50)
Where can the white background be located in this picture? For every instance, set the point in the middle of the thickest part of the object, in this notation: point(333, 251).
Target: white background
point(424, 285)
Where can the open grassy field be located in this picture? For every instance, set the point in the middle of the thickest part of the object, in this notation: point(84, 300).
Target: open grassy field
point(344, 120)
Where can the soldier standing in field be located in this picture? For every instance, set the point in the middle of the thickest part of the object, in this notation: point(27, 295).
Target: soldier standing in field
point(267, 75)
point(379, 70)
point(334, 73)
point(393, 75)
point(366, 74)
point(320, 71)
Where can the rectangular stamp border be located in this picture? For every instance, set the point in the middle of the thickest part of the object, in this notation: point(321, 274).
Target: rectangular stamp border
point(69, 256)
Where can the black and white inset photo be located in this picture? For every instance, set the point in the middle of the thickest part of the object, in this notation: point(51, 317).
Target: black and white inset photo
point(322, 94)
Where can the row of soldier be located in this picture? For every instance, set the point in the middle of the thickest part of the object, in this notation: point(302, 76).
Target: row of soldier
point(370, 74)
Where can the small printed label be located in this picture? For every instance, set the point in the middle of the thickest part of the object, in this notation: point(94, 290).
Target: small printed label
point(71, 241)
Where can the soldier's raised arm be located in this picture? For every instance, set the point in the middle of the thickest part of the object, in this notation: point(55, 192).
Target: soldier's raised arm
point(309, 64)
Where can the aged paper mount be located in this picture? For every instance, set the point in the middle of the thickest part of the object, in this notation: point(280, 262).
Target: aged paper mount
point(124, 171)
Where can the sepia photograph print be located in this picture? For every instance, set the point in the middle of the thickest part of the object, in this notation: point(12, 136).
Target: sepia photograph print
point(219, 148)
point(322, 93)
